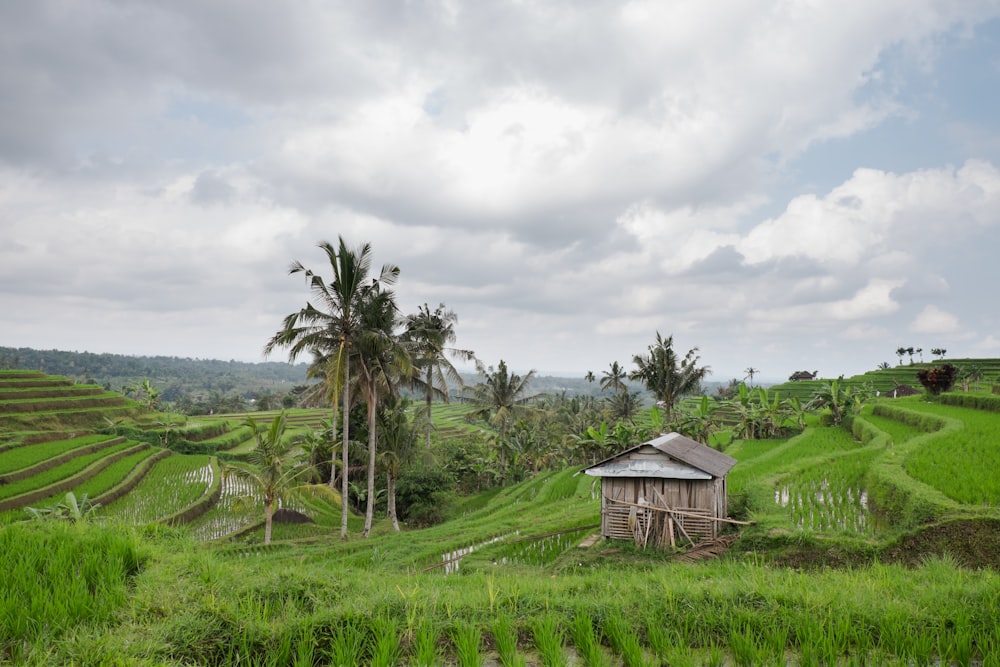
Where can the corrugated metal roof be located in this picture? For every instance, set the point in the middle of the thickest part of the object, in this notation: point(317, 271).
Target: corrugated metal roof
point(646, 468)
point(675, 446)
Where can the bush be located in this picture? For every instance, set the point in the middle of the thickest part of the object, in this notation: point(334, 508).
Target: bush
point(424, 496)
point(938, 379)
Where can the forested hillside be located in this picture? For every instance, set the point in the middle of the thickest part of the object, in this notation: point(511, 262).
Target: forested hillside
point(189, 385)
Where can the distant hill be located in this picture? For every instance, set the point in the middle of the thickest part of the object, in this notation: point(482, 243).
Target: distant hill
point(176, 378)
point(184, 381)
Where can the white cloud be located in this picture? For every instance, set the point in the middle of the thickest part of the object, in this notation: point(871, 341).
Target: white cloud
point(934, 320)
point(569, 179)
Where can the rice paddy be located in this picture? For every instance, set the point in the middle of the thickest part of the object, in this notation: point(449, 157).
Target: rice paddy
point(506, 581)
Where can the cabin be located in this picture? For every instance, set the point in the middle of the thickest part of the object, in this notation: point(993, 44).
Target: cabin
point(663, 491)
point(800, 376)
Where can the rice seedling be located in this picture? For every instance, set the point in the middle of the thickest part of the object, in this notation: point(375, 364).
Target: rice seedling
point(744, 645)
point(961, 463)
point(549, 641)
point(625, 641)
point(61, 472)
point(425, 651)
point(18, 458)
point(305, 647)
point(348, 643)
point(586, 641)
point(386, 649)
point(505, 641)
point(110, 476)
point(172, 484)
point(468, 645)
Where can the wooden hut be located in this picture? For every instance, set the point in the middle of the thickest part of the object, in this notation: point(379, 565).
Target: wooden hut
point(668, 489)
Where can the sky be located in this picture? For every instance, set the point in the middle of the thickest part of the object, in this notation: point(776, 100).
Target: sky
point(785, 185)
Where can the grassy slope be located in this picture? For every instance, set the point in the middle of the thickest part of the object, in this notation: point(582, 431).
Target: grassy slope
point(195, 604)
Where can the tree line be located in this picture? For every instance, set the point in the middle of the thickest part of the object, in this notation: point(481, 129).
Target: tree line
point(365, 352)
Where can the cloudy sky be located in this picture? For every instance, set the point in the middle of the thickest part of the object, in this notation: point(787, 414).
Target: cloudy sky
point(786, 184)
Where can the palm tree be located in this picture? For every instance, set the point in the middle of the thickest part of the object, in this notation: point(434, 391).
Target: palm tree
point(501, 398)
point(900, 351)
point(666, 375)
point(272, 468)
point(623, 406)
point(399, 444)
point(330, 329)
point(382, 363)
point(590, 377)
point(750, 372)
point(614, 378)
point(429, 335)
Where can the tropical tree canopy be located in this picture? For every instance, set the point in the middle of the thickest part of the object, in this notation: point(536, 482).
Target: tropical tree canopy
point(331, 328)
point(613, 379)
point(383, 362)
point(501, 398)
point(272, 467)
point(429, 335)
point(667, 376)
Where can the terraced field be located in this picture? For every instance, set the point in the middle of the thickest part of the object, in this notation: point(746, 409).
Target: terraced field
point(132, 479)
point(902, 498)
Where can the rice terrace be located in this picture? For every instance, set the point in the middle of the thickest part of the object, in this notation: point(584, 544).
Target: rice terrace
point(861, 529)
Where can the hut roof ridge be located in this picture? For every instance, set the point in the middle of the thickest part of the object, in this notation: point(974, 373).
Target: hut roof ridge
point(685, 450)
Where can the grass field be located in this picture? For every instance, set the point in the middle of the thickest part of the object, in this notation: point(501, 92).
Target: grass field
point(857, 553)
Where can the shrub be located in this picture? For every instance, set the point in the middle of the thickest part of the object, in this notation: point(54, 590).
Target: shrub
point(938, 379)
point(424, 496)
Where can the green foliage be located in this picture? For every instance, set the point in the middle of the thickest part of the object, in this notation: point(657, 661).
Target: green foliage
point(424, 496)
point(70, 509)
point(55, 577)
point(937, 379)
point(666, 375)
point(972, 401)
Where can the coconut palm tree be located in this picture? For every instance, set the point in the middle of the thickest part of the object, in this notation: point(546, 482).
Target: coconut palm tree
point(383, 362)
point(750, 372)
point(332, 327)
point(613, 379)
point(272, 468)
point(666, 375)
point(623, 406)
point(398, 439)
point(429, 334)
point(501, 398)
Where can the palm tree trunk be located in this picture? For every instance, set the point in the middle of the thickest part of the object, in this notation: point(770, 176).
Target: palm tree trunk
point(333, 446)
point(343, 472)
point(503, 454)
point(390, 492)
point(268, 513)
point(427, 398)
point(370, 506)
